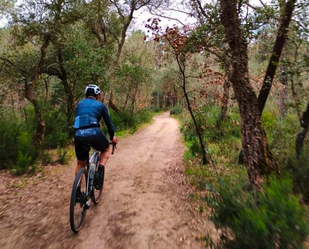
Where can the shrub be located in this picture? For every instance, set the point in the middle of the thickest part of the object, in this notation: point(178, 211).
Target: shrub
point(299, 171)
point(122, 120)
point(156, 109)
point(46, 158)
point(57, 130)
point(271, 219)
point(176, 110)
point(280, 133)
point(17, 146)
point(125, 120)
point(9, 132)
point(143, 116)
point(62, 155)
point(27, 153)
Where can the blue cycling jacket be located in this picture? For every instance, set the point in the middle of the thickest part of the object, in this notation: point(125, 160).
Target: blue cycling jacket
point(89, 113)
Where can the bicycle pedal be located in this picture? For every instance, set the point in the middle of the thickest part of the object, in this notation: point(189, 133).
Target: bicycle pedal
point(87, 205)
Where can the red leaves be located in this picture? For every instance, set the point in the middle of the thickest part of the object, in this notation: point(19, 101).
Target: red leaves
point(176, 37)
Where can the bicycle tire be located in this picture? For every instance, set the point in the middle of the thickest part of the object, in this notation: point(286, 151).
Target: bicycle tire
point(96, 197)
point(81, 178)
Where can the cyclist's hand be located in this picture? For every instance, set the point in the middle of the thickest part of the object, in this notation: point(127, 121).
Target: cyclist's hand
point(114, 140)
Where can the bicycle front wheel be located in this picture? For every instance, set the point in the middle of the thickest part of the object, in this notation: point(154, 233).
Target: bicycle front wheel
point(78, 207)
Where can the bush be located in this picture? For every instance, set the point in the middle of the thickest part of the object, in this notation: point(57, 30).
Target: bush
point(280, 132)
point(125, 120)
point(46, 158)
point(143, 116)
point(176, 110)
point(62, 155)
point(299, 171)
point(18, 149)
point(271, 219)
point(57, 130)
point(27, 153)
point(156, 109)
point(9, 132)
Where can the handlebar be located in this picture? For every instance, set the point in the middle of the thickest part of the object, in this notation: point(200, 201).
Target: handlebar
point(114, 147)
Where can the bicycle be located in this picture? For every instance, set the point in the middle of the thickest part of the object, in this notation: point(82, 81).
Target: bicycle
point(88, 193)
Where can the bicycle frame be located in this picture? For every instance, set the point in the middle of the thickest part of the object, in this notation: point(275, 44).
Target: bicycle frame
point(93, 159)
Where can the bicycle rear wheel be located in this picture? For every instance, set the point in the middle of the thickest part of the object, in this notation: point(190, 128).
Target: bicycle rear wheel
point(97, 192)
point(78, 207)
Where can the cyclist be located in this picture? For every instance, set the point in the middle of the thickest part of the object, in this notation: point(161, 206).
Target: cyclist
point(87, 131)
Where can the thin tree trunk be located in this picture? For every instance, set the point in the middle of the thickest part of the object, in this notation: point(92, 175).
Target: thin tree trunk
point(198, 131)
point(225, 102)
point(133, 103)
point(277, 50)
point(254, 142)
point(283, 95)
point(46, 89)
point(126, 22)
point(12, 104)
point(303, 132)
point(296, 99)
point(67, 88)
point(126, 101)
point(29, 92)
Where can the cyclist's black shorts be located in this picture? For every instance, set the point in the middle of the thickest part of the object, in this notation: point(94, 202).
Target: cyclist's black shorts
point(84, 138)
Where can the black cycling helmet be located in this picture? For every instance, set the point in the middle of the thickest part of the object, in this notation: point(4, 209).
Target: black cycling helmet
point(92, 89)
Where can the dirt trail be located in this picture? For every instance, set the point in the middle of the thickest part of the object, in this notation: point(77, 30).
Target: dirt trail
point(144, 201)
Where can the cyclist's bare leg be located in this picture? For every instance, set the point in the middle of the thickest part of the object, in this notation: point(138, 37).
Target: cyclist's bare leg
point(80, 164)
point(104, 156)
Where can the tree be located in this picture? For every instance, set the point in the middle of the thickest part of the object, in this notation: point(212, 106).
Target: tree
point(277, 50)
point(124, 13)
point(134, 74)
point(255, 149)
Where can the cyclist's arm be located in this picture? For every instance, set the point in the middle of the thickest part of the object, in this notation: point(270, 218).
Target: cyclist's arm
point(108, 122)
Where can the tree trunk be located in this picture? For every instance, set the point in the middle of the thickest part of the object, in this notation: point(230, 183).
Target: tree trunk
point(277, 50)
point(40, 127)
point(197, 128)
point(225, 102)
point(254, 142)
point(303, 132)
point(67, 88)
point(29, 92)
point(126, 101)
point(283, 95)
point(126, 22)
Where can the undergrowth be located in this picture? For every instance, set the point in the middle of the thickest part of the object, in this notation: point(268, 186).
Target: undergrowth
point(273, 218)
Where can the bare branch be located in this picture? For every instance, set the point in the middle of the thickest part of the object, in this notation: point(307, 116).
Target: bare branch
point(12, 64)
point(263, 4)
point(166, 17)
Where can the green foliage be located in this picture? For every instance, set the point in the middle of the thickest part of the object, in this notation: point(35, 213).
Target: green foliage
point(9, 132)
point(18, 150)
point(273, 218)
point(62, 155)
point(46, 158)
point(27, 153)
point(299, 171)
point(156, 109)
point(125, 120)
point(280, 132)
point(270, 219)
point(222, 138)
point(176, 110)
point(57, 130)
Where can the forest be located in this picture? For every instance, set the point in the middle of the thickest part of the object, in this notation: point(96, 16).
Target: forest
point(234, 74)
